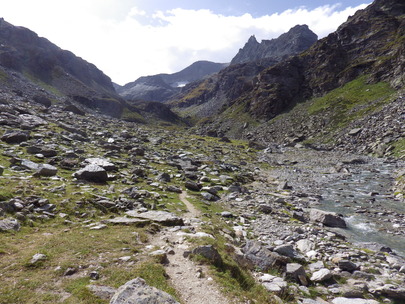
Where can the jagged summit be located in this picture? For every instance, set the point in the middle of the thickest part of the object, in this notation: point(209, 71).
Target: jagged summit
point(296, 40)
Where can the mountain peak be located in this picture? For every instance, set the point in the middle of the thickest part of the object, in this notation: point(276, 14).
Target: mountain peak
point(252, 40)
point(296, 40)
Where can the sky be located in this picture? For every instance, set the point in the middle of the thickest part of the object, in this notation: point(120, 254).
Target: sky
point(127, 39)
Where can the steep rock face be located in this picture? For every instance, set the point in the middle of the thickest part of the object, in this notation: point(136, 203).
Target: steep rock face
point(370, 42)
point(296, 40)
point(40, 61)
point(213, 95)
point(163, 86)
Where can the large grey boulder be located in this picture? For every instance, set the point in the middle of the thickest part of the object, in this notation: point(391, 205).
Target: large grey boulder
point(9, 224)
point(193, 186)
point(137, 291)
point(29, 121)
point(305, 245)
point(330, 219)
point(161, 217)
point(210, 253)
point(92, 173)
point(321, 275)
point(46, 170)
point(347, 265)
point(288, 251)
point(255, 256)
point(296, 272)
point(15, 137)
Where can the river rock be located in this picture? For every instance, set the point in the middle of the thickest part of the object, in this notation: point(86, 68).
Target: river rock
point(137, 291)
point(9, 224)
point(330, 219)
point(161, 217)
point(92, 173)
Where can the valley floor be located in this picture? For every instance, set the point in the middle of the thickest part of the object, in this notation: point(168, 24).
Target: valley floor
point(88, 203)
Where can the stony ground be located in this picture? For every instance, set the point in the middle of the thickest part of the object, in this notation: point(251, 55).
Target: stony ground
point(89, 203)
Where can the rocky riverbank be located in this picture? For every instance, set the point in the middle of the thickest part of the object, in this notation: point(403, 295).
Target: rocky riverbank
point(87, 200)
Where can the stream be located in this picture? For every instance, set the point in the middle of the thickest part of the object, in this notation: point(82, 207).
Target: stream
point(358, 187)
point(364, 197)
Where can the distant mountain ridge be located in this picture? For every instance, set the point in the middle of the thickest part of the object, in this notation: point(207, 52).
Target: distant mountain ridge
point(296, 40)
point(162, 87)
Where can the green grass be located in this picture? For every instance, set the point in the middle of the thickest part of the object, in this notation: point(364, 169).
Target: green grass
point(132, 116)
point(70, 246)
point(45, 86)
point(352, 101)
point(399, 148)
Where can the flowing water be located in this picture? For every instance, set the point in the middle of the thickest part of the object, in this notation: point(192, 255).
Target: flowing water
point(364, 197)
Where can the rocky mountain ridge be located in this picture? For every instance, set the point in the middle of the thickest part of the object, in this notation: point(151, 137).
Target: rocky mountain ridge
point(162, 87)
point(57, 73)
point(296, 40)
point(211, 96)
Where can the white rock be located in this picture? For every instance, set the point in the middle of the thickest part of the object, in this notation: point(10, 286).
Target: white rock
point(321, 275)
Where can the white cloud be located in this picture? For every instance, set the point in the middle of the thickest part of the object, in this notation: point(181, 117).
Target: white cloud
point(126, 43)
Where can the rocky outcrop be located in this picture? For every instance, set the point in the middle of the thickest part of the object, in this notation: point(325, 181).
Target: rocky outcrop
point(368, 43)
point(296, 40)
